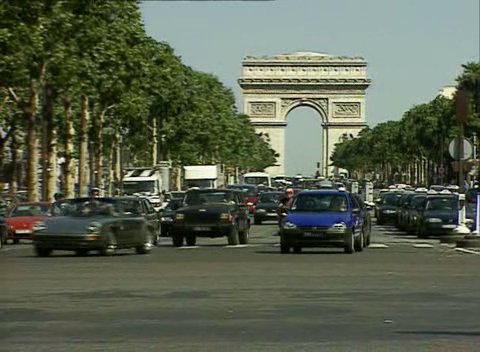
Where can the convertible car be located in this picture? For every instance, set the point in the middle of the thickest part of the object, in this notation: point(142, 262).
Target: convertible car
point(103, 224)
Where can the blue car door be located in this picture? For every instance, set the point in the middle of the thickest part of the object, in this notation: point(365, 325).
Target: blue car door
point(357, 215)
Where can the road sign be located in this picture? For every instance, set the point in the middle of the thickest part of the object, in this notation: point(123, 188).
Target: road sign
point(467, 149)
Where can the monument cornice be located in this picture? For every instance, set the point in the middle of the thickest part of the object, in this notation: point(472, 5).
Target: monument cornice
point(304, 81)
point(268, 123)
point(345, 124)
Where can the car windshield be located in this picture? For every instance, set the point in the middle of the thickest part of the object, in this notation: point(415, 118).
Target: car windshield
point(197, 198)
point(248, 190)
point(390, 199)
point(256, 180)
point(132, 187)
point(269, 197)
point(416, 201)
point(101, 207)
point(174, 204)
point(29, 210)
point(320, 203)
point(447, 203)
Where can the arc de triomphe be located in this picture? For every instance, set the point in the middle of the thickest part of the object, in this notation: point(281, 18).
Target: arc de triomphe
point(334, 86)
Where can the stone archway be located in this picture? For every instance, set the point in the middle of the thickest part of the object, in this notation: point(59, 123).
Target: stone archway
point(331, 85)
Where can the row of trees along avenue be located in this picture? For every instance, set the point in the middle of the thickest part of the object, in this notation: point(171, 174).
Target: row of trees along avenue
point(414, 148)
point(80, 81)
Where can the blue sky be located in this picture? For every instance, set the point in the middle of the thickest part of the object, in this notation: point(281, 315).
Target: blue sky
point(413, 47)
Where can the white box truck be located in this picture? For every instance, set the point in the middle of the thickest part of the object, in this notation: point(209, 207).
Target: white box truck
point(203, 176)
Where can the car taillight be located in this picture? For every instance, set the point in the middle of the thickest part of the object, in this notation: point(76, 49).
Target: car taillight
point(226, 217)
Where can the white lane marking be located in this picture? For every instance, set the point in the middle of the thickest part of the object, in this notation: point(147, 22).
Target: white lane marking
point(188, 247)
point(469, 251)
point(237, 246)
point(276, 245)
point(422, 245)
point(377, 245)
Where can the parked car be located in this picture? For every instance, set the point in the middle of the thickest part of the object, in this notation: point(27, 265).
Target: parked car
point(266, 207)
point(387, 207)
point(212, 213)
point(103, 224)
point(439, 216)
point(324, 218)
point(22, 218)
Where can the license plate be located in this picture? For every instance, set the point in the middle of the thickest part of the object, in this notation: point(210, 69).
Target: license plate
point(272, 214)
point(201, 228)
point(23, 231)
point(313, 234)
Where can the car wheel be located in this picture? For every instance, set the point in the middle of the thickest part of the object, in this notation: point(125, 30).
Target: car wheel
point(233, 236)
point(297, 249)
point(16, 241)
point(81, 252)
point(147, 244)
point(42, 252)
point(284, 245)
point(257, 221)
point(349, 246)
point(359, 242)
point(243, 236)
point(191, 240)
point(284, 248)
point(177, 239)
point(110, 245)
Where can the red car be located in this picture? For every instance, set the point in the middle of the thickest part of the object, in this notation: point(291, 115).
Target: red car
point(22, 218)
point(250, 194)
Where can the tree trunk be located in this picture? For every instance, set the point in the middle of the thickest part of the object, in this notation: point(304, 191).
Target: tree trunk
point(15, 151)
point(69, 167)
point(117, 172)
point(98, 149)
point(154, 141)
point(83, 149)
point(30, 114)
point(50, 180)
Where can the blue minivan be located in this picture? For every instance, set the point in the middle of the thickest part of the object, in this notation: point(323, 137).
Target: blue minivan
point(326, 218)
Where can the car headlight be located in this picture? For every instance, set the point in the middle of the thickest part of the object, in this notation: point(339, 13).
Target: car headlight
point(93, 227)
point(289, 225)
point(179, 217)
point(433, 220)
point(39, 226)
point(339, 227)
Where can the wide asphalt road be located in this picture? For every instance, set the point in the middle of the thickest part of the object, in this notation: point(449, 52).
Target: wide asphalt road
point(398, 295)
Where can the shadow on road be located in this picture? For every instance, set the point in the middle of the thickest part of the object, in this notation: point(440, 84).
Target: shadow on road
point(302, 253)
point(440, 333)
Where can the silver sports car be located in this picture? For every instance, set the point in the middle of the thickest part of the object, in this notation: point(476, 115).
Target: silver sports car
point(103, 224)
